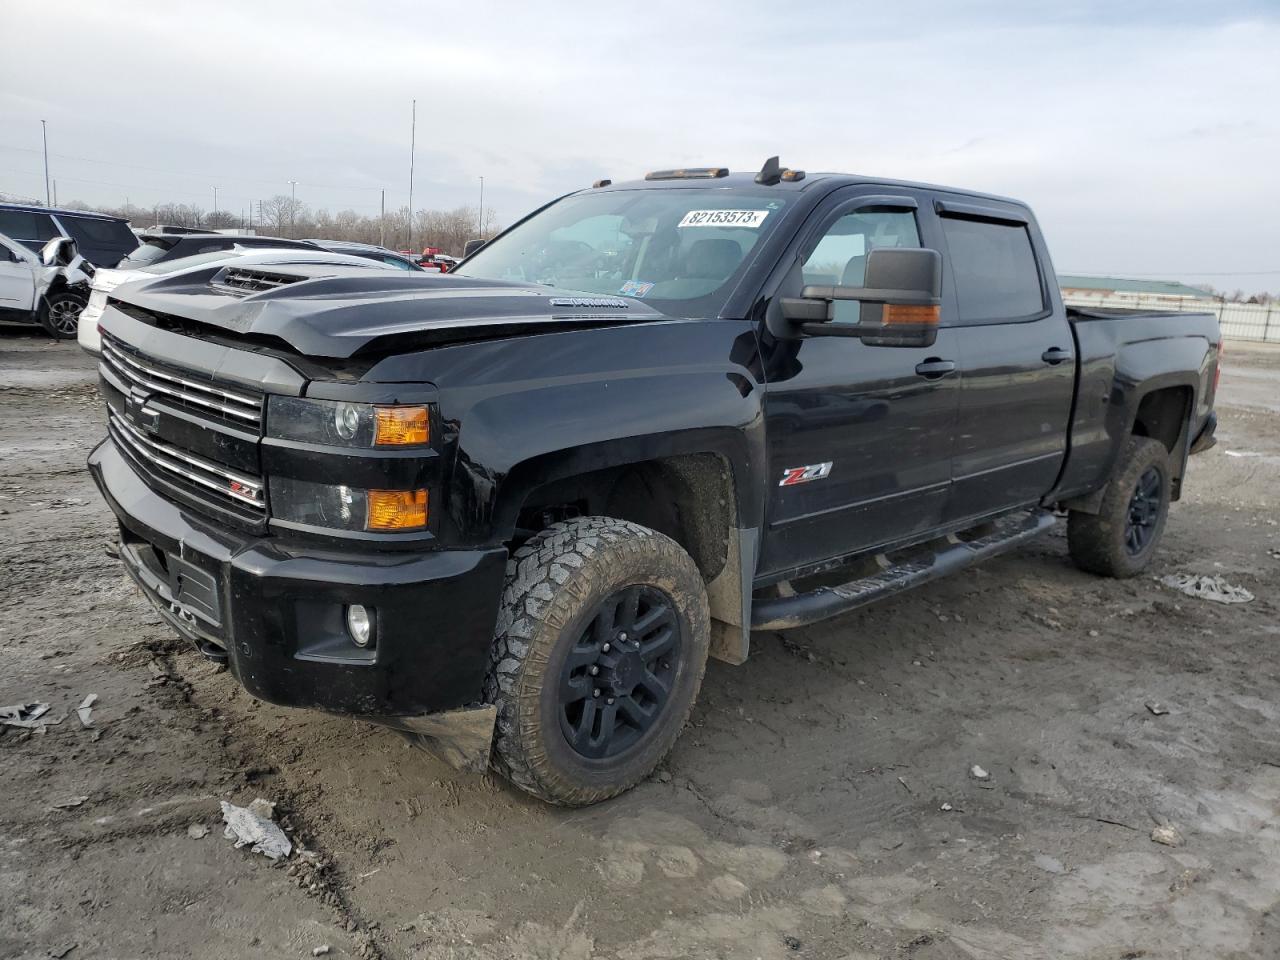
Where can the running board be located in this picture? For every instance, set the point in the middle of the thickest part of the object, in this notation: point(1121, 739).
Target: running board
point(802, 609)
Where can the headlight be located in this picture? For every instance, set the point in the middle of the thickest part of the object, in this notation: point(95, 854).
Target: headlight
point(347, 424)
point(347, 508)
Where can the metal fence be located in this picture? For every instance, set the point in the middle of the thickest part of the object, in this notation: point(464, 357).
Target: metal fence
point(1239, 321)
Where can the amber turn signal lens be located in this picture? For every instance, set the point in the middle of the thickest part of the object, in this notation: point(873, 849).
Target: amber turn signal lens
point(401, 426)
point(895, 313)
point(397, 509)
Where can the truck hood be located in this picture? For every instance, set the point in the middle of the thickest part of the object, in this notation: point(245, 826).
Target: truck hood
point(337, 312)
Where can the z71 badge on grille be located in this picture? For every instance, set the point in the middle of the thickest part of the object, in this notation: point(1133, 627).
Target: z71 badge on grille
point(815, 471)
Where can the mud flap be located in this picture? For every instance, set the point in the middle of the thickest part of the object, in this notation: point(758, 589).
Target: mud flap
point(461, 738)
point(729, 596)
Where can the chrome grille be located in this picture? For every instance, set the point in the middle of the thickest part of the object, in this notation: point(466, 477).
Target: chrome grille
point(135, 370)
point(168, 460)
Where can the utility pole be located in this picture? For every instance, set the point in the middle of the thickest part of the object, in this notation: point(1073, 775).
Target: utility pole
point(293, 209)
point(482, 208)
point(215, 199)
point(382, 222)
point(55, 192)
point(413, 140)
point(44, 135)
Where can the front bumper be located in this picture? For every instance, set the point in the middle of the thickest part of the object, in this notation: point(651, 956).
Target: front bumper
point(275, 607)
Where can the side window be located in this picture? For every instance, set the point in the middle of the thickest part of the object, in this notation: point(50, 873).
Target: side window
point(994, 265)
point(840, 258)
point(395, 262)
point(25, 225)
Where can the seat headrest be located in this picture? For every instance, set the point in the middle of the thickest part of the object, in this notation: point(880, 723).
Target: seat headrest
point(712, 259)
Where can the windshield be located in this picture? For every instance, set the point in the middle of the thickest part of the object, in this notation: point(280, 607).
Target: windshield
point(680, 250)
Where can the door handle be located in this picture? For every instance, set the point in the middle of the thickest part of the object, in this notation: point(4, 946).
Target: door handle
point(933, 368)
point(1055, 355)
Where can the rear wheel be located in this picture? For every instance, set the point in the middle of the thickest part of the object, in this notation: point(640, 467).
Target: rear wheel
point(61, 314)
point(1120, 539)
point(600, 650)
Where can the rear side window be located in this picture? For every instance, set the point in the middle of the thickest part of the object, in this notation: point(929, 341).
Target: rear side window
point(25, 225)
point(995, 270)
point(114, 234)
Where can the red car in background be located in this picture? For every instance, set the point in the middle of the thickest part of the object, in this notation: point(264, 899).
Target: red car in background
point(432, 259)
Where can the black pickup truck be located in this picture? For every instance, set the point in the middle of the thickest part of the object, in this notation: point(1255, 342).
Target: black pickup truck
point(510, 511)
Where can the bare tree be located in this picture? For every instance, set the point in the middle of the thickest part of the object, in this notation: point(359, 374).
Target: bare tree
point(447, 230)
point(282, 212)
point(221, 220)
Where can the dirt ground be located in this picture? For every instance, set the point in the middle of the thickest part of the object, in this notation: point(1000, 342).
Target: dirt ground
point(820, 805)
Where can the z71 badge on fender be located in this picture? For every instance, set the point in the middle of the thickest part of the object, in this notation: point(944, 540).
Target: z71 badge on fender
point(815, 471)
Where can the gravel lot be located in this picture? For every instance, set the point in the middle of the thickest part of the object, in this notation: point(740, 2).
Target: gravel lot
point(821, 804)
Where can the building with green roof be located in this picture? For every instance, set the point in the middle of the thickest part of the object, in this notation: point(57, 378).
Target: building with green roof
point(1118, 286)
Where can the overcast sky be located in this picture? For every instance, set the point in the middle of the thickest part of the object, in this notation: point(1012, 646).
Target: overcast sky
point(1146, 135)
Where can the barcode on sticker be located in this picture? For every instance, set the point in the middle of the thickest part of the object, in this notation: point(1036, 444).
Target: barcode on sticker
point(723, 218)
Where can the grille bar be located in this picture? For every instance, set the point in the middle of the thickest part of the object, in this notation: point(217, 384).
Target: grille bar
point(238, 487)
point(138, 372)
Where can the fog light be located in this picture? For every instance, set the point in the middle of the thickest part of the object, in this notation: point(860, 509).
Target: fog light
point(360, 624)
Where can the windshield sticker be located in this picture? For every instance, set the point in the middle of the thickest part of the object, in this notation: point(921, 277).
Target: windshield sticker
point(635, 288)
point(723, 218)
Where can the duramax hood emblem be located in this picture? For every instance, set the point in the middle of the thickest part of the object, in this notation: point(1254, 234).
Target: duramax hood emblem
point(612, 302)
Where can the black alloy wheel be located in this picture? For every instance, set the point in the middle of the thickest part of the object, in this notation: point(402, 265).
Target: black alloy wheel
point(618, 676)
point(1145, 508)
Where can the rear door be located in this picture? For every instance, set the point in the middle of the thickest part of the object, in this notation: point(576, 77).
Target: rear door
point(859, 437)
point(1016, 354)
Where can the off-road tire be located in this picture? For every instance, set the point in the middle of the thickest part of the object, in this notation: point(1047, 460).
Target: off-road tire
point(56, 309)
point(554, 586)
point(1097, 541)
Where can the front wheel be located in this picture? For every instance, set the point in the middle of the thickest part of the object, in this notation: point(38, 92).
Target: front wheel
point(1120, 539)
point(599, 653)
point(61, 314)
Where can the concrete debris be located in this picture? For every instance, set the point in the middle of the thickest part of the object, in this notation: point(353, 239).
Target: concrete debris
point(1206, 588)
point(946, 808)
point(247, 827)
point(197, 831)
point(57, 953)
point(1167, 835)
point(68, 803)
point(978, 773)
point(320, 951)
point(85, 710)
point(1157, 708)
point(29, 716)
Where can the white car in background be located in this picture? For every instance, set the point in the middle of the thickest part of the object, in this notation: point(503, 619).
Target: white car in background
point(105, 281)
point(49, 289)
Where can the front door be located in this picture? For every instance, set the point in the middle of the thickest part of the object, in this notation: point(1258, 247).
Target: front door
point(17, 281)
point(859, 437)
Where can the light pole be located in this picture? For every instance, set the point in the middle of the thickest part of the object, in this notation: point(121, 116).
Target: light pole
point(482, 208)
point(413, 140)
point(44, 135)
point(215, 200)
point(293, 209)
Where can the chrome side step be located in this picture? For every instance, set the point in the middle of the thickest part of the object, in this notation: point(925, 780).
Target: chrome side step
point(802, 609)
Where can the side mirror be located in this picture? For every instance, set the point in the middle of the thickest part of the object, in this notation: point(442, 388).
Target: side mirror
point(59, 252)
point(471, 246)
point(901, 301)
